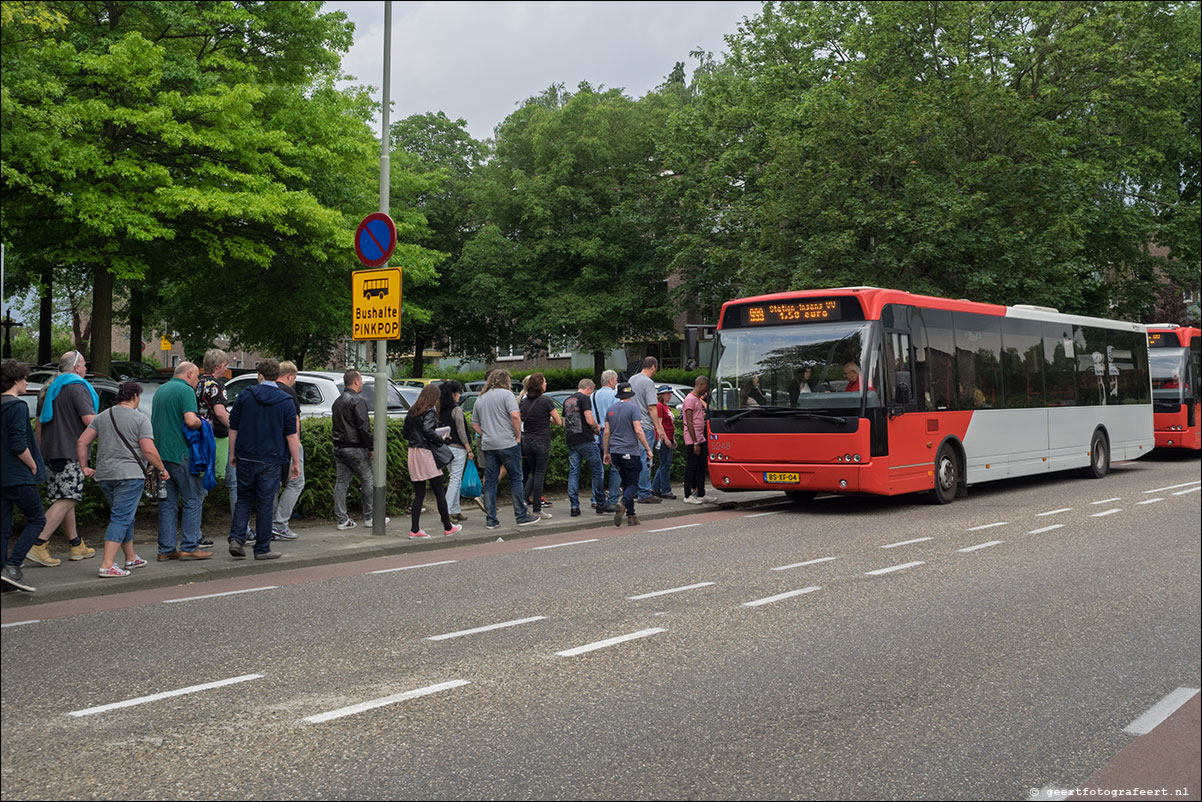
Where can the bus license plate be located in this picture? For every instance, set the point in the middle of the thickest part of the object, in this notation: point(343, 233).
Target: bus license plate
point(782, 478)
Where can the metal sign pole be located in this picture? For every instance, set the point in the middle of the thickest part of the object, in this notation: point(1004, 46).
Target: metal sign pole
point(379, 511)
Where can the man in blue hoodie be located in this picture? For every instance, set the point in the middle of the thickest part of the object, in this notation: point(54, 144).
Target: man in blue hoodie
point(263, 438)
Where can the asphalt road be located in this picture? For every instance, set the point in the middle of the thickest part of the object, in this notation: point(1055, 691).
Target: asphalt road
point(984, 673)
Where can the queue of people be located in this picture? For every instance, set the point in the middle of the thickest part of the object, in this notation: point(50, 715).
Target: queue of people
point(195, 438)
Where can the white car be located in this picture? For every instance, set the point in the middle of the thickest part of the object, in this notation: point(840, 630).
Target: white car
point(317, 391)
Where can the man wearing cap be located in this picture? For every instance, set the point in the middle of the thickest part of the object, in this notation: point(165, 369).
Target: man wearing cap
point(661, 485)
point(621, 448)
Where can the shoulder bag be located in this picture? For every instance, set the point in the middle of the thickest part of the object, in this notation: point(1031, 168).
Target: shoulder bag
point(151, 487)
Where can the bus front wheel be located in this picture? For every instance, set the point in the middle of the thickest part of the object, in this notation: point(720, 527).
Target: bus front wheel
point(1099, 457)
point(947, 475)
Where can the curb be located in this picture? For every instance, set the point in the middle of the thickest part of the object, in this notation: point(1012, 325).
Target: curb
point(221, 567)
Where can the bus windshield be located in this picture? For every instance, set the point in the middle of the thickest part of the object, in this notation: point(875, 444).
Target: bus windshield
point(1168, 373)
point(817, 367)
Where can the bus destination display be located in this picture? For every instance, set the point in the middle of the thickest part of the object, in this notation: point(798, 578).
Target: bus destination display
point(821, 310)
point(1159, 340)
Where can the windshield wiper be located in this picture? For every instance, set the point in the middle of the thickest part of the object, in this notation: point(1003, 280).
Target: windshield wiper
point(792, 412)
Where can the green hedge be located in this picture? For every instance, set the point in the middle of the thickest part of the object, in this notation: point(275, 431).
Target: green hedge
point(567, 379)
point(317, 499)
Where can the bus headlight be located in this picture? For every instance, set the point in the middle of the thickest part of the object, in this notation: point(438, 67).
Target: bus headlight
point(856, 457)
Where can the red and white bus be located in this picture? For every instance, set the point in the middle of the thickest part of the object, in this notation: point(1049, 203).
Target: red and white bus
point(1176, 370)
point(866, 390)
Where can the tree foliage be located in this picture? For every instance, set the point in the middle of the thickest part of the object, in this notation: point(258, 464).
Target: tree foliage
point(1028, 152)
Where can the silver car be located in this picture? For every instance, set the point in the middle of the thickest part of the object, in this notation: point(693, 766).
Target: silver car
point(317, 391)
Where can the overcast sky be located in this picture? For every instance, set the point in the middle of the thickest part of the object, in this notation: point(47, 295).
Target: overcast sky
point(478, 60)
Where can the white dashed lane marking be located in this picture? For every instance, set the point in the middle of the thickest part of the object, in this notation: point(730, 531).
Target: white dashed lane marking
point(387, 700)
point(1151, 500)
point(981, 546)
point(20, 623)
point(670, 528)
point(1054, 512)
point(986, 526)
point(141, 700)
point(892, 568)
point(669, 590)
point(411, 567)
point(601, 644)
point(780, 597)
point(215, 595)
point(1104, 513)
point(1174, 487)
point(1160, 711)
point(905, 543)
point(1041, 530)
point(572, 543)
point(807, 562)
point(1191, 490)
point(1107, 500)
point(488, 628)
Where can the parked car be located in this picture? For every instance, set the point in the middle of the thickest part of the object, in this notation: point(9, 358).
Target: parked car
point(477, 386)
point(418, 383)
point(317, 391)
point(135, 371)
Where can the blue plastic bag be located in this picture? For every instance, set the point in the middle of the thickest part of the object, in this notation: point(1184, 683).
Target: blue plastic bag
point(471, 486)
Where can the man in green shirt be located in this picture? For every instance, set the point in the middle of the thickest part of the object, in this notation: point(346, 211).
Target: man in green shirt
point(174, 408)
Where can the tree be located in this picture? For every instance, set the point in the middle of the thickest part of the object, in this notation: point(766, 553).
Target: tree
point(442, 150)
point(134, 139)
point(567, 256)
point(1027, 152)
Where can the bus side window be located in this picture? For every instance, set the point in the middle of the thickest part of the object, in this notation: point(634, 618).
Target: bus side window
point(1059, 354)
point(940, 337)
point(899, 373)
point(1022, 362)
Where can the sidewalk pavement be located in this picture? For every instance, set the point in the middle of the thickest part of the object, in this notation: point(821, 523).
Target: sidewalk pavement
point(323, 543)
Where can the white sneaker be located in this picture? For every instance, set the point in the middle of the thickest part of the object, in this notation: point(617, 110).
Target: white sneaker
point(368, 522)
point(708, 500)
point(347, 524)
point(545, 514)
point(692, 500)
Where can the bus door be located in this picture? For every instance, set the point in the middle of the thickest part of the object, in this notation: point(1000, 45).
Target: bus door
point(910, 461)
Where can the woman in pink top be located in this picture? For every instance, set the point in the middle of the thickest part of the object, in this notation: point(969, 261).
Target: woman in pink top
point(695, 448)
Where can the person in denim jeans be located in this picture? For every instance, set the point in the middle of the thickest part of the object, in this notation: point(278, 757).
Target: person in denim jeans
point(21, 471)
point(125, 447)
point(661, 484)
point(174, 408)
point(603, 399)
point(580, 429)
point(498, 421)
point(352, 450)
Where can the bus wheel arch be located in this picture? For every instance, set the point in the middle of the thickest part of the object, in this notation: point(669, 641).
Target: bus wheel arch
point(950, 481)
point(1099, 454)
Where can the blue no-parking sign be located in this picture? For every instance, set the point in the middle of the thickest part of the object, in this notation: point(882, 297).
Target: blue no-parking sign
point(375, 239)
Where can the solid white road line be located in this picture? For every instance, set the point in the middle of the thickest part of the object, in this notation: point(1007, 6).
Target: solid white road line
point(1054, 512)
point(461, 633)
point(1107, 500)
point(1174, 487)
point(387, 700)
point(1045, 529)
point(1160, 711)
point(410, 567)
point(20, 623)
point(573, 543)
point(762, 514)
point(141, 700)
point(215, 595)
point(666, 592)
point(905, 543)
point(1191, 490)
point(807, 562)
point(601, 644)
point(779, 597)
point(1106, 512)
point(981, 546)
point(986, 526)
point(670, 528)
point(892, 568)
point(1151, 500)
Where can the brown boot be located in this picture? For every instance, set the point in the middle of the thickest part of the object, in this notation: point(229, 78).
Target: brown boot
point(632, 520)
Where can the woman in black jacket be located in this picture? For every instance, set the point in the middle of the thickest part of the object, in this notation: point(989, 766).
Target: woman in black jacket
point(420, 425)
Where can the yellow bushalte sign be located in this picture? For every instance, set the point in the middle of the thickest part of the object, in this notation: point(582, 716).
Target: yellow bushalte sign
point(165, 343)
point(376, 304)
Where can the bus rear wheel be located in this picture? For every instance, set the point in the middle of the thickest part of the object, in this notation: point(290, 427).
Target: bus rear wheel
point(947, 475)
point(1099, 457)
point(800, 496)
